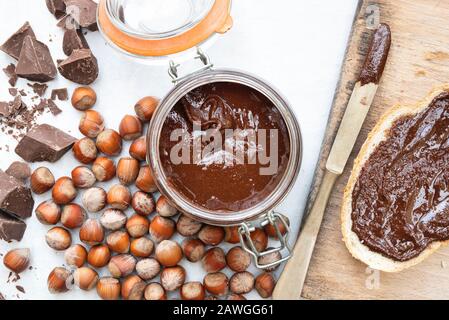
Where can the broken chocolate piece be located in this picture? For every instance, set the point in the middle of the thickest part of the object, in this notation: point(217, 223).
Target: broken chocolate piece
point(19, 170)
point(54, 109)
point(35, 61)
point(13, 91)
point(56, 7)
point(10, 108)
point(84, 12)
point(44, 143)
point(73, 40)
point(68, 23)
point(81, 67)
point(13, 46)
point(15, 197)
point(61, 94)
point(10, 72)
point(38, 88)
point(11, 228)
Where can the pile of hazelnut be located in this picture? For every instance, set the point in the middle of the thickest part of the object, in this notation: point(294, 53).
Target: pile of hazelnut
point(135, 249)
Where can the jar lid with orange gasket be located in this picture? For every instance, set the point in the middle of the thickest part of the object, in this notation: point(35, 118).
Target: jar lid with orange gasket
point(156, 30)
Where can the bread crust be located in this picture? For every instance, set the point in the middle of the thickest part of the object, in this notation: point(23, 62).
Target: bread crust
point(379, 133)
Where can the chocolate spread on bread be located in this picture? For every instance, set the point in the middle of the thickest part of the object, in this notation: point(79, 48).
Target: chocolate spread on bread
point(377, 56)
point(400, 202)
point(219, 186)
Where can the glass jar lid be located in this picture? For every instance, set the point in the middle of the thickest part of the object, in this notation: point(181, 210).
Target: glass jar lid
point(162, 27)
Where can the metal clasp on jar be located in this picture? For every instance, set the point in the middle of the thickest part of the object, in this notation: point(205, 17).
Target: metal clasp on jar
point(248, 245)
point(204, 58)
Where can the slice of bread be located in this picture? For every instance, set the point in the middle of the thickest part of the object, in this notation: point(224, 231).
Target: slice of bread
point(377, 135)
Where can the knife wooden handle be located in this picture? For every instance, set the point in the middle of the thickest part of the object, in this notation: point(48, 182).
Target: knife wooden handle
point(291, 282)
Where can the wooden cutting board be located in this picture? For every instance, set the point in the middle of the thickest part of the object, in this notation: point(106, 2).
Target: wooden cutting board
point(418, 61)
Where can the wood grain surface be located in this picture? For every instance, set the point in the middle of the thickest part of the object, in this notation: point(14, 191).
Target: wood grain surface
point(419, 60)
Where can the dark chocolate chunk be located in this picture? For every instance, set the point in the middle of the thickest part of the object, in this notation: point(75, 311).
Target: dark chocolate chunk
point(56, 7)
point(61, 94)
point(44, 143)
point(84, 12)
point(10, 72)
point(19, 170)
point(38, 88)
point(11, 228)
point(73, 40)
point(13, 46)
point(15, 197)
point(81, 67)
point(35, 61)
point(54, 109)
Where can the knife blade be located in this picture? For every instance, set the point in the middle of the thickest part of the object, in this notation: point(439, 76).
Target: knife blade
point(291, 282)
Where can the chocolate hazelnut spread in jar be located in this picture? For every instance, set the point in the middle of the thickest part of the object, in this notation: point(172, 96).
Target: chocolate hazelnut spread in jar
point(224, 146)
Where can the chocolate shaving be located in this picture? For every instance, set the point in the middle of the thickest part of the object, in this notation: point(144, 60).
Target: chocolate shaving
point(61, 94)
point(38, 88)
point(20, 288)
point(10, 72)
point(53, 107)
point(13, 91)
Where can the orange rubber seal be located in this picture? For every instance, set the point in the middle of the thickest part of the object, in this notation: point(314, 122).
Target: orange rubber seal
point(218, 20)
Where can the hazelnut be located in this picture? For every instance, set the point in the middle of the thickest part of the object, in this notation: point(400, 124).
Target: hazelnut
point(103, 169)
point(85, 278)
point(188, 227)
point(130, 128)
point(241, 282)
point(164, 208)
point(91, 232)
point(271, 231)
point(60, 280)
point(73, 216)
point(265, 284)
point(161, 228)
point(138, 149)
point(75, 256)
point(147, 269)
point(193, 249)
point(108, 288)
point(137, 226)
point(91, 124)
point(127, 170)
point(48, 212)
point(122, 265)
point(192, 291)
point(173, 278)
point(94, 199)
point(83, 177)
point(238, 260)
point(17, 260)
point(270, 258)
point(119, 197)
point(214, 260)
point(236, 297)
point(145, 107)
point(168, 253)
point(85, 150)
point(154, 291)
point(232, 235)
point(99, 256)
point(260, 239)
point(113, 219)
point(64, 191)
point(133, 288)
point(143, 203)
point(109, 142)
point(118, 241)
point(41, 180)
point(211, 235)
point(145, 181)
point(83, 98)
point(58, 238)
point(216, 283)
point(141, 247)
